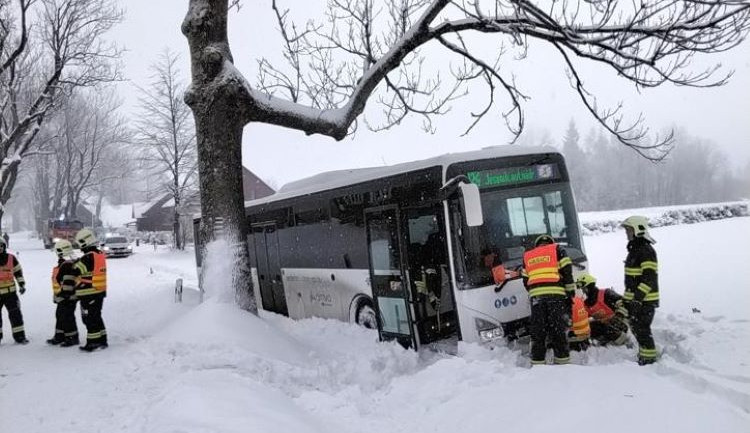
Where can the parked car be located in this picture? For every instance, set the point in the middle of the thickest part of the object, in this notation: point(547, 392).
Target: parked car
point(117, 246)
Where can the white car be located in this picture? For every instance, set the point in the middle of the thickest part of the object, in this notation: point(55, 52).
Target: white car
point(117, 246)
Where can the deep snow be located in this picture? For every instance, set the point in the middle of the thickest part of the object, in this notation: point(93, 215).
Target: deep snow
point(212, 368)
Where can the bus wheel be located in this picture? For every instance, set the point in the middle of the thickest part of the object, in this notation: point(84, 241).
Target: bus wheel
point(366, 315)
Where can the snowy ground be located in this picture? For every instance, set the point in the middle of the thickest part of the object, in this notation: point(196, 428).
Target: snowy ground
point(211, 368)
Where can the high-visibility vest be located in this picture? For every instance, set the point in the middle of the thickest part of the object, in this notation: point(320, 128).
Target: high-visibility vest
point(580, 319)
point(56, 287)
point(7, 279)
point(600, 311)
point(94, 280)
point(541, 265)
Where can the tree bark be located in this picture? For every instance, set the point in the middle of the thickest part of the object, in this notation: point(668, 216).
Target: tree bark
point(219, 121)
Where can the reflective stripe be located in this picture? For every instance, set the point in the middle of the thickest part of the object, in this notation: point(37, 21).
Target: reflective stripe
point(17, 329)
point(645, 288)
point(654, 296)
point(6, 290)
point(628, 296)
point(565, 261)
point(561, 361)
point(94, 335)
point(647, 353)
point(570, 288)
point(85, 292)
point(534, 362)
point(546, 290)
point(649, 265)
point(633, 272)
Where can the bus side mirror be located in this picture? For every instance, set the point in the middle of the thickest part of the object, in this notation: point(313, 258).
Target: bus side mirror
point(472, 204)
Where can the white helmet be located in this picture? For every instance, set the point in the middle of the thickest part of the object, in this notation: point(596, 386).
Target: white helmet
point(63, 248)
point(85, 238)
point(639, 224)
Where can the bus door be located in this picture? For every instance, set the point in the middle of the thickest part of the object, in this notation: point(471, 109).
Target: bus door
point(269, 268)
point(390, 286)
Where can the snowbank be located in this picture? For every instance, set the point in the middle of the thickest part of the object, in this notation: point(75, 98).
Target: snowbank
point(594, 223)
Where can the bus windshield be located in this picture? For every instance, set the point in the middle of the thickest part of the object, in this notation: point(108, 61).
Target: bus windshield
point(513, 218)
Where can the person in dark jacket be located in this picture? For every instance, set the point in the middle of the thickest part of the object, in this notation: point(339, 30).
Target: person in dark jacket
point(641, 286)
point(548, 277)
point(10, 274)
point(64, 295)
point(607, 312)
point(91, 289)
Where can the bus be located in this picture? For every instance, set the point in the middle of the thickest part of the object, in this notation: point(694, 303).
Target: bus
point(422, 251)
point(60, 230)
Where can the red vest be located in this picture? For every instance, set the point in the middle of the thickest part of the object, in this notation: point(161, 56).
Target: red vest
point(7, 279)
point(600, 311)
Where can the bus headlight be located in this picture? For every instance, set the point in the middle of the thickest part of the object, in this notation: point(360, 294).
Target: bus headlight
point(488, 331)
point(56, 240)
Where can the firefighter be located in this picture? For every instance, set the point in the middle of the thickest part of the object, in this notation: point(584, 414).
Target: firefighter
point(10, 274)
point(63, 294)
point(606, 310)
point(641, 286)
point(580, 331)
point(548, 277)
point(91, 289)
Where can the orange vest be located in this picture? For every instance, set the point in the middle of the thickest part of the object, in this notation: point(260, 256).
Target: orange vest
point(541, 265)
point(56, 287)
point(600, 311)
point(580, 320)
point(96, 279)
point(7, 279)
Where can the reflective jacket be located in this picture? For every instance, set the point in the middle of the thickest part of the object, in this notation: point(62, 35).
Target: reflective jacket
point(547, 270)
point(63, 281)
point(10, 272)
point(580, 319)
point(91, 270)
point(641, 273)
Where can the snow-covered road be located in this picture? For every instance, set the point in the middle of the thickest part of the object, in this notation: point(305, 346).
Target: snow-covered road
point(211, 368)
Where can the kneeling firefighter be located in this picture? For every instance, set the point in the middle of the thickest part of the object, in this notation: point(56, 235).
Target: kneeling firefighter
point(606, 310)
point(64, 295)
point(548, 277)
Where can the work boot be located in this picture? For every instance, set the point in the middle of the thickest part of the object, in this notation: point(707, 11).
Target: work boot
point(22, 341)
point(646, 361)
point(54, 341)
point(90, 347)
point(69, 342)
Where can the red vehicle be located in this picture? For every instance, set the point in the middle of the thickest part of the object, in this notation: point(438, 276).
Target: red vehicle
point(61, 229)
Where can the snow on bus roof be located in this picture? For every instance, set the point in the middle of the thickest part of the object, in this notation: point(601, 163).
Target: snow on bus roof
point(339, 178)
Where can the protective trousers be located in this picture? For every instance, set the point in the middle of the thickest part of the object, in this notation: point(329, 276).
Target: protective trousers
point(10, 302)
point(606, 333)
point(640, 324)
point(65, 325)
point(549, 323)
point(91, 313)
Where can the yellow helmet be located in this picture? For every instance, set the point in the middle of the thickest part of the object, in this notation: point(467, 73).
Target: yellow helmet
point(584, 280)
point(63, 248)
point(85, 238)
point(639, 224)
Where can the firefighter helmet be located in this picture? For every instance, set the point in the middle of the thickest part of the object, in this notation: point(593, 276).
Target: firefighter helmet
point(86, 238)
point(584, 280)
point(63, 248)
point(639, 225)
point(544, 239)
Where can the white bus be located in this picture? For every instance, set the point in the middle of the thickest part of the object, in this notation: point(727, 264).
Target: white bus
point(410, 249)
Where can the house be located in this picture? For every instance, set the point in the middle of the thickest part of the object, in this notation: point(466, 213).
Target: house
point(158, 214)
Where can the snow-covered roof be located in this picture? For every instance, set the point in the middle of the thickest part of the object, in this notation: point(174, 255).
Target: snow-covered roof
point(338, 178)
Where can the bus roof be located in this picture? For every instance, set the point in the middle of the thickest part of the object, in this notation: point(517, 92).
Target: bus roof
point(340, 178)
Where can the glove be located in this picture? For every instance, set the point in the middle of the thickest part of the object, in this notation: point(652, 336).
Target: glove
point(22, 289)
point(634, 307)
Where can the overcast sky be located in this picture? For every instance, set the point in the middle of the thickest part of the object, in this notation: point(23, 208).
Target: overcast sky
point(721, 115)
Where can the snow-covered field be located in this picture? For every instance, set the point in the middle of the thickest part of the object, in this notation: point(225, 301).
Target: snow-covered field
point(209, 367)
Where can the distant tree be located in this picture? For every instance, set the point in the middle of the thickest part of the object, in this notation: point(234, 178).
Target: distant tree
point(47, 48)
point(167, 136)
point(336, 67)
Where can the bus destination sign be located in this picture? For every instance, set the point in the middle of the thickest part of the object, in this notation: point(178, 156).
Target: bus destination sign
point(513, 176)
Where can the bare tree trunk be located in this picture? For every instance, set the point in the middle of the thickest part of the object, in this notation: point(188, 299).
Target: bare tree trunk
point(176, 224)
point(219, 121)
